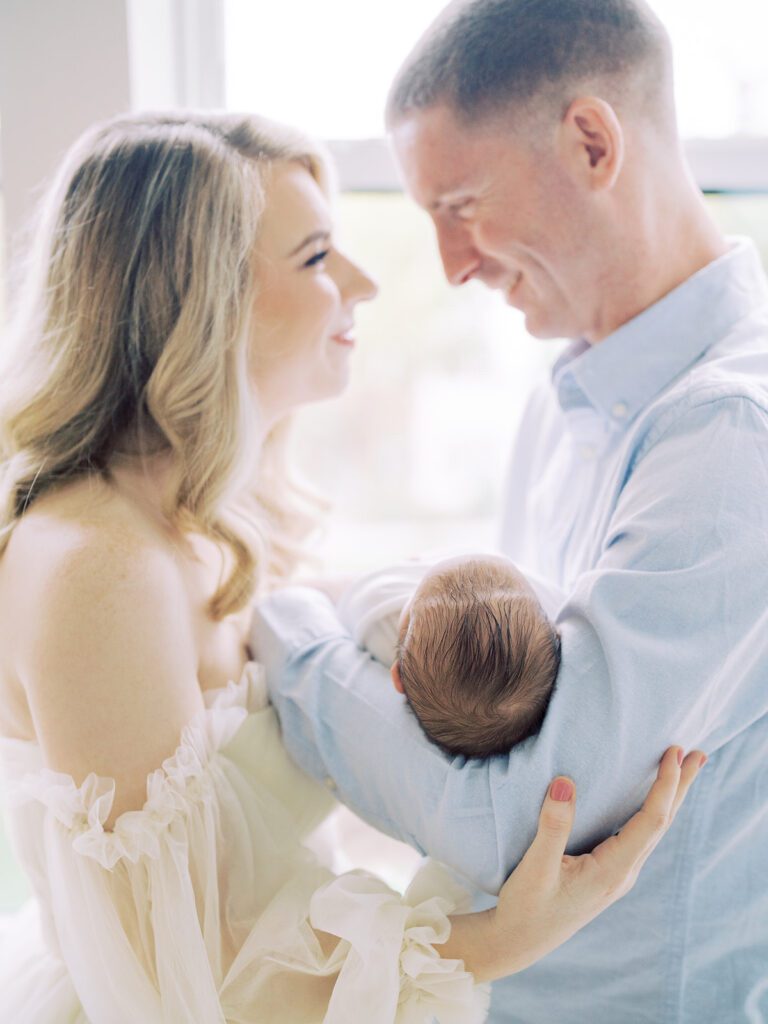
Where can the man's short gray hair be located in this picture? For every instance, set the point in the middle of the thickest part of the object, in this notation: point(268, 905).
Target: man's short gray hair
point(482, 56)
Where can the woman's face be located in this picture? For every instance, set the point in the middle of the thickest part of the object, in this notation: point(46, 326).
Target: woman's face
point(306, 297)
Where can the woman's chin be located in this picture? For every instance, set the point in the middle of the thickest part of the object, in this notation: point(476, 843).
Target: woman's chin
point(330, 389)
point(341, 386)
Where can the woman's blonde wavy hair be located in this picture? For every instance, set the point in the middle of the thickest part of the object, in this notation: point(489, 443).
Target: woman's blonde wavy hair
point(133, 331)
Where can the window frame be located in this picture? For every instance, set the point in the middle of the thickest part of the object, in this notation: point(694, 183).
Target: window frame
point(735, 165)
point(197, 51)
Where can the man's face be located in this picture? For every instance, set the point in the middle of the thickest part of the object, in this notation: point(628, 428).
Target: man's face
point(505, 214)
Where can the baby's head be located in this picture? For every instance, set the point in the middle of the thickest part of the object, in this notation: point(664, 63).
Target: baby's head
point(477, 658)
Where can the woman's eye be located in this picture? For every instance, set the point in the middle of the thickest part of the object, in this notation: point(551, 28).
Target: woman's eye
point(318, 258)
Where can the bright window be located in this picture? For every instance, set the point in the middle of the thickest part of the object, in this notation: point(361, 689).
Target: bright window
point(297, 63)
point(413, 455)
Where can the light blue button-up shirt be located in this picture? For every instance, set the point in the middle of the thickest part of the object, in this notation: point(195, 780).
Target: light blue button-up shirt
point(639, 484)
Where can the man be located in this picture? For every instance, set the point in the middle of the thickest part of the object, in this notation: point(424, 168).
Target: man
point(541, 137)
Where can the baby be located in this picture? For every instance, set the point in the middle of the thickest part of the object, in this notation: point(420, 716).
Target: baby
point(469, 645)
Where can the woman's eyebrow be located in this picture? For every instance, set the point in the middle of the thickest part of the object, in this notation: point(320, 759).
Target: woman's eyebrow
point(315, 236)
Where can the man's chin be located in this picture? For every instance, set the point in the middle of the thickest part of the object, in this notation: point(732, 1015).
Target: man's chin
point(544, 330)
point(538, 323)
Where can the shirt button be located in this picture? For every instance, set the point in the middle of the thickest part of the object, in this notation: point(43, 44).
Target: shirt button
point(329, 783)
point(588, 452)
point(619, 410)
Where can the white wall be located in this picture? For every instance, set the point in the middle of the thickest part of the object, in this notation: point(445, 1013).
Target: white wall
point(67, 63)
point(63, 65)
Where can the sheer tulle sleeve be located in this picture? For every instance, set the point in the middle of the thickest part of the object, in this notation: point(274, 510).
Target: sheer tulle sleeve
point(204, 906)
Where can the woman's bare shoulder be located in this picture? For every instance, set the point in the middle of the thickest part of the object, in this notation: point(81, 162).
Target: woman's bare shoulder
point(82, 527)
point(81, 552)
point(105, 648)
point(85, 507)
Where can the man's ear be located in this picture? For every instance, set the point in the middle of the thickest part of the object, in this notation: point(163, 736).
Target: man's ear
point(591, 142)
point(397, 681)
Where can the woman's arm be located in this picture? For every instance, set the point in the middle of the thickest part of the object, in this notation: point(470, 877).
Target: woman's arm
point(549, 896)
point(107, 658)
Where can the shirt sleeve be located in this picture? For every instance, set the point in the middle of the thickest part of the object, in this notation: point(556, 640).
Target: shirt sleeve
point(551, 597)
point(664, 641)
point(370, 607)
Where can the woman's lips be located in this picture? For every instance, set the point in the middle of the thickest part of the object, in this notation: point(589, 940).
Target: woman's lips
point(345, 339)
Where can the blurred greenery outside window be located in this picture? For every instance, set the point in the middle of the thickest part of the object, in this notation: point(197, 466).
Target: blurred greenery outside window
point(412, 456)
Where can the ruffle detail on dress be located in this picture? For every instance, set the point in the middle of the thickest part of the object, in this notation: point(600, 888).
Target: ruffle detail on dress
point(181, 781)
point(431, 987)
point(249, 692)
point(377, 923)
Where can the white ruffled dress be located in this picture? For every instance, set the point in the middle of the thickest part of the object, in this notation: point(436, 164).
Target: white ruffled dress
point(205, 907)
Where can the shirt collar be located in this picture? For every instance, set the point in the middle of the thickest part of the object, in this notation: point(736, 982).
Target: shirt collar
point(614, 380)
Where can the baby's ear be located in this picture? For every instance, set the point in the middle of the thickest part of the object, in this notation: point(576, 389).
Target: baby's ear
point(395, 673)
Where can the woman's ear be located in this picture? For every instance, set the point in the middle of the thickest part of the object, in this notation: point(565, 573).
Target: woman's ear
point(591, 143)
point(397, 681)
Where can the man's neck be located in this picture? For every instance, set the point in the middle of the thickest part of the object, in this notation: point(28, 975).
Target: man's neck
point(673, 240)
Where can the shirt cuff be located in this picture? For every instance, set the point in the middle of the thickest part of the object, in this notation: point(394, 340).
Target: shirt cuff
point(297, 615)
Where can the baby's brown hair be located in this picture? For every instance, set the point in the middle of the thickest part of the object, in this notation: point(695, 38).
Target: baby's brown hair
point(478, 662)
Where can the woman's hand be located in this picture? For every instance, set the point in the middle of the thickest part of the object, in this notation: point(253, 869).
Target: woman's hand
point(550, 895)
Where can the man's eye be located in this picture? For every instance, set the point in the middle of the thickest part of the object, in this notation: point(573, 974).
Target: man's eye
point(318, 258)
point(462, 209)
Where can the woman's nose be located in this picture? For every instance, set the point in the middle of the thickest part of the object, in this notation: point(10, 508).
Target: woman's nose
point(358, 285)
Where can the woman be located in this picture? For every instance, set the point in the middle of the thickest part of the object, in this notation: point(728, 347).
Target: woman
point(185, 297)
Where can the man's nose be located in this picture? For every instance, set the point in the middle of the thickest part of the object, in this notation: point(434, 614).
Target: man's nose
point(460, 258)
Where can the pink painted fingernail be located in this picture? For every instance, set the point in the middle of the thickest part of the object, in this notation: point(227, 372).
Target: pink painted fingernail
point(561, 790)
point(703, 760)
point(680, 756)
